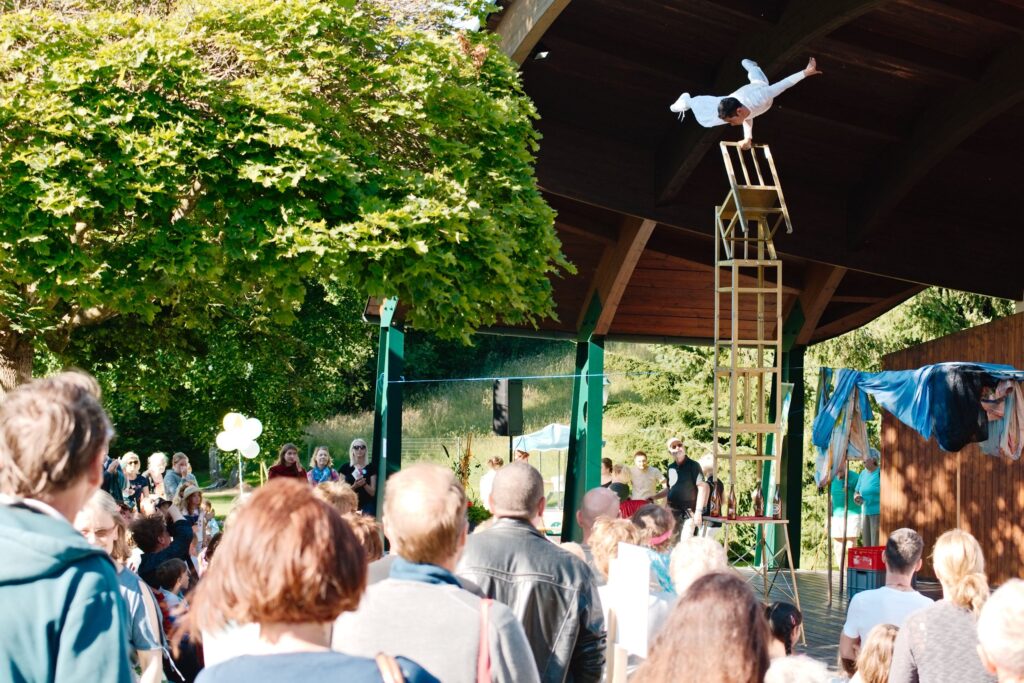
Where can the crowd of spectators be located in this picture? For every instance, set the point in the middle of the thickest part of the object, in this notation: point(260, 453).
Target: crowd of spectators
point(302, 585)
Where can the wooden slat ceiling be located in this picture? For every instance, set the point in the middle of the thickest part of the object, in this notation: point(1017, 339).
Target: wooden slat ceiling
point(899, 164)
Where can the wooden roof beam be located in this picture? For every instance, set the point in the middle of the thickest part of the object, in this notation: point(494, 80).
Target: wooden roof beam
point(820, 283)
point(615, 270)
point(574, 229)
point(802, 22)
point(940, 129)
point(863, 316)
point(523, 23)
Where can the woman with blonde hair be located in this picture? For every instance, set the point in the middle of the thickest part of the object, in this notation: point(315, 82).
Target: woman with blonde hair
point(321, 468)
point(290, 565)
point(361, 476)
point(940, 642)
point(101, 523)
point(137, 483)
point(716, 633)
point(875, 658)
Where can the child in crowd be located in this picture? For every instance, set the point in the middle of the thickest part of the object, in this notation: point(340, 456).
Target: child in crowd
point(189, 500)
point(173, 578)
point(785, 621)
point(368, 533)
point(338, 495)
point(656, 525)
point(207, 555)
point(320, 467)
point(212, 525)
point(876, 655)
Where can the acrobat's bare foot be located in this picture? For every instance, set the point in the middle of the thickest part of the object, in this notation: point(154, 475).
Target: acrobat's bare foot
point(812, 68)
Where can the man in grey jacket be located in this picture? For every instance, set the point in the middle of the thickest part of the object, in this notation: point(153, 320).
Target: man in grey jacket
point(420, 611)
point(551, 591)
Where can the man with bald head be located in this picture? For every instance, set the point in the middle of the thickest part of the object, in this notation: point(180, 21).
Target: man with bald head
point(552, 592)
point(596, 503)
point(425, 520)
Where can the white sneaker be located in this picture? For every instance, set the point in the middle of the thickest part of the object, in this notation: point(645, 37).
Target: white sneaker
point(682, 104)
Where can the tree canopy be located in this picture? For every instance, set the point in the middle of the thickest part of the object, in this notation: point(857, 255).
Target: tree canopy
point(166, 165)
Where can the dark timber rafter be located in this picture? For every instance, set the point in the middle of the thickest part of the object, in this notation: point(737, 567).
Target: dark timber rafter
point(522, 24)
point(862, 316)
point(820, 283)
point(803, 22)
point(616, 268)
point(938, 132)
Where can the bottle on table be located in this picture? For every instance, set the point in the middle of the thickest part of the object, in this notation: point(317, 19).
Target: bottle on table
point(777, 504)
point(716, 500)
point(758, 500)
point(732, 502)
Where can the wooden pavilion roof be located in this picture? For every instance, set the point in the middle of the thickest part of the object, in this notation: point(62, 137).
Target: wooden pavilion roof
point(900, 164)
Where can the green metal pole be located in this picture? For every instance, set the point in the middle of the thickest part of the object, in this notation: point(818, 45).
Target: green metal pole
point(583, 467)
point(387, 416)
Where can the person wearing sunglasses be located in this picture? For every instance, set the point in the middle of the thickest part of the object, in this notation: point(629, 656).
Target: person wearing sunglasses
point(360, 475)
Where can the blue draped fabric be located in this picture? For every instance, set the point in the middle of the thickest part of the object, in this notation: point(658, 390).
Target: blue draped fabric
point(920, 399)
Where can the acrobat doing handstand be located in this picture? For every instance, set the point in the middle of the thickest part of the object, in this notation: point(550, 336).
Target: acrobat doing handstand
point(745, 104)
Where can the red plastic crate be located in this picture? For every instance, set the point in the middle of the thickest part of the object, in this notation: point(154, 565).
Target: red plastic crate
point(869, 557)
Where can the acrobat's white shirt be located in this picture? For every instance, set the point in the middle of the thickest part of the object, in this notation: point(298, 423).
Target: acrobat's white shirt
point(757, 96)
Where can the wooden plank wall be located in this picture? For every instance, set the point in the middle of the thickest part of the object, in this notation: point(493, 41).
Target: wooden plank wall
point(919, 478)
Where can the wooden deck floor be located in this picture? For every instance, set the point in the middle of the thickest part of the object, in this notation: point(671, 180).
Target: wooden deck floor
point(822, 622)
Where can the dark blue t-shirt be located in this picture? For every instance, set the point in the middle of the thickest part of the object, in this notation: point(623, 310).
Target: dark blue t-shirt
point(305, 667)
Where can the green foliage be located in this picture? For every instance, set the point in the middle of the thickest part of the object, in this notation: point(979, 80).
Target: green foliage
point(164, 397)
point(172, 164)
point(933, 313)
point(477, 513)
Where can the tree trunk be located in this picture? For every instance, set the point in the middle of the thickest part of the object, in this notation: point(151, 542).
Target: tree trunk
point(15, 360)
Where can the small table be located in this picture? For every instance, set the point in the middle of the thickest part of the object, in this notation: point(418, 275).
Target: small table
point(768, 575)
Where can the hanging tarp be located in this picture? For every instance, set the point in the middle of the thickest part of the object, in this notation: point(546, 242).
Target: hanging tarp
point(957, 403)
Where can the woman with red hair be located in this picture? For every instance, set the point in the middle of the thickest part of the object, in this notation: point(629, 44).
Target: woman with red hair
point(290, 564)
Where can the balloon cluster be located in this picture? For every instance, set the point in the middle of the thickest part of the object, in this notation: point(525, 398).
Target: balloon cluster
point(240, 434)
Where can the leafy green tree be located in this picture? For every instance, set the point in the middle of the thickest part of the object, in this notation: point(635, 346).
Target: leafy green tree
point(168, 165)
point(934, 313)
point(173, 397)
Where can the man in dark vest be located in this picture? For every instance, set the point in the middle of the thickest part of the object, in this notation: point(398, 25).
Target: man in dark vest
point(687, 490)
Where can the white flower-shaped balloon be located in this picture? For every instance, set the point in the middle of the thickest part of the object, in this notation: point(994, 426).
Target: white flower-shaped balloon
point(240, 434)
